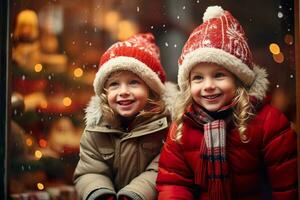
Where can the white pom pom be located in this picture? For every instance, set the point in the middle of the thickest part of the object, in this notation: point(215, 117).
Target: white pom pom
point(213, 12)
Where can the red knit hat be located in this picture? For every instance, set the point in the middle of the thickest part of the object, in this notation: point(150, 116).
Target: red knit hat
point(140, 55)
point(221, 40)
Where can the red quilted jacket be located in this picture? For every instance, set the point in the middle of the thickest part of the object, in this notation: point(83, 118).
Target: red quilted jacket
point(264, 168)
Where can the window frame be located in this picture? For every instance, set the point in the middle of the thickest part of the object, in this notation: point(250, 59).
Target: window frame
point(297, 63)
point(4, 88)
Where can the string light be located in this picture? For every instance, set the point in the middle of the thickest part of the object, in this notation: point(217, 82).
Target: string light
point(38, 67)
point(29, 142)
point(67, 101)
point(78, 72)
point(38, 154)
point(279, 58)
point(40, 186)
point(274, 48)
point(43, 143)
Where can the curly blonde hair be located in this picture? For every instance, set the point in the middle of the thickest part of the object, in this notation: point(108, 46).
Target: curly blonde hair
point(242, 110)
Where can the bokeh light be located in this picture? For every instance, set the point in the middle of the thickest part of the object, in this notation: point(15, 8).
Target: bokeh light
point(40, 186)
point(67, 101)
point(38, 154)
point(78, 72)
point(279, 58)
point(29, 142)
point(38, 67)
point(43, 143)
point(274, 48)
point(288, 39)
point(44, 104)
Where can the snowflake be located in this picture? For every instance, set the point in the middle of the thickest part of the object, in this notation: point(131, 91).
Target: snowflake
point(233, 32)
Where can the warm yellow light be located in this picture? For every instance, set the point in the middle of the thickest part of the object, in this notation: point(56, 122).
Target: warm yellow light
point(78, 72)
point(38, 154)
point(29, 142)
point(40, 186)
point(274, 48)
point(126, 29)
point(289, 39)
point(279, 58)
point(38, 67)
point(44, 104)
point(43, 143)
point(111, 19)
point(67, 101)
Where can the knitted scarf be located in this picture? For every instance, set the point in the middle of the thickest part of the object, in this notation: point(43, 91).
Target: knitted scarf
point(213, 167)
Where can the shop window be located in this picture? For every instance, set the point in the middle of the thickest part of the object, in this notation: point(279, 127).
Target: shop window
point(54, 51)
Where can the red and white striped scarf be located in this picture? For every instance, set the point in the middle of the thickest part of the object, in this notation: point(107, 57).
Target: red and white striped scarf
point(213, 167)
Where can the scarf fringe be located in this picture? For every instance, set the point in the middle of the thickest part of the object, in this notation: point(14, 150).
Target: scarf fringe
point(218, 190)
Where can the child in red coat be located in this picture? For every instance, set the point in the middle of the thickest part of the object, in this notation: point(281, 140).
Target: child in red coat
point(226, 141)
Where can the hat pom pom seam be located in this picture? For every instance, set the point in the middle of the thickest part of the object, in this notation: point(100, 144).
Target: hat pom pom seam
point(213, 12)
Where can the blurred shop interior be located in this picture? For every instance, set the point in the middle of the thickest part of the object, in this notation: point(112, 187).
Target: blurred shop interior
point(55, 47)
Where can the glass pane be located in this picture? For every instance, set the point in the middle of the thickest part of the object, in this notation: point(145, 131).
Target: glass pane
point(55, 49)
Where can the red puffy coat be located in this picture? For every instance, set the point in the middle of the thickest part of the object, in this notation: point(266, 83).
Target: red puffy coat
point(264, 168)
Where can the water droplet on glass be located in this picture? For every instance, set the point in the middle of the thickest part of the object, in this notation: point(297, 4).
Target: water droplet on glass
point(277, 86)
point(280, 14)
point(198, 1)
point(183, 8)
point(291, 76)
point(138, 9)
point(166, 44)
point(280, 6)
point(23, 77)
point(164, 25)
point(178, 17)
point(49, 77)
point(151, 27)
point(175, 45)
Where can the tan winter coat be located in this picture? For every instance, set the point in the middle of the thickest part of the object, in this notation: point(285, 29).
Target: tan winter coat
point(114, 160)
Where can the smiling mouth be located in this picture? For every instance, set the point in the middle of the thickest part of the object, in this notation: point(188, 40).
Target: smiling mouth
point(211, 97)
point(125, 103)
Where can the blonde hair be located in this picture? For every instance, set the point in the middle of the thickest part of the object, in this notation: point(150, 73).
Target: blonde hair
point(242, 110)
point(155, 105)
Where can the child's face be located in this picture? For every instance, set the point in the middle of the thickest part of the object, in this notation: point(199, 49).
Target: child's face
point(212, 86)
point(127, 94)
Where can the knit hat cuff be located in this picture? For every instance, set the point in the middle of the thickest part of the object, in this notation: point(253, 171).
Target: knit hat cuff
point(218, 56)
point(122, 63)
